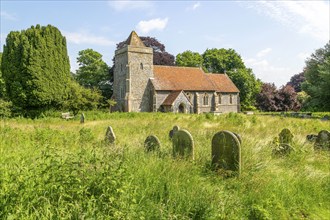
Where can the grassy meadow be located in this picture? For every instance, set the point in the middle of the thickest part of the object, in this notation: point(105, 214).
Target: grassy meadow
point(51, 168)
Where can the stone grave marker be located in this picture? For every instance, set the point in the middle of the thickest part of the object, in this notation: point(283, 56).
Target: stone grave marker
point(238, 137)
point(183, 144)
point(174, 130)
point(110, 136)
point(82, 118)
point(286, 137)
point(282, 149)
point(322, 141)
point(151, 143)
point(226, 152)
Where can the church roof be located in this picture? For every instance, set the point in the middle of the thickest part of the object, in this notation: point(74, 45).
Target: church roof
point(134, 40)
point(171, 97)
point(172, 78)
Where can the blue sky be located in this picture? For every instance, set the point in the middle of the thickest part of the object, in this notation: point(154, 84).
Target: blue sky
point(273, 37)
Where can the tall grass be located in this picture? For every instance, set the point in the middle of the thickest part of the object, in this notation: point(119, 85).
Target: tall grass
point(56, 169)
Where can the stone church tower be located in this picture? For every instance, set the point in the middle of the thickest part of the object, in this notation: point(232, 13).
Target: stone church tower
point(133, 69)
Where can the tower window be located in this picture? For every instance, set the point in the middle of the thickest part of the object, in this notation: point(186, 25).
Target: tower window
point(231, 99)
point(141, 66)
point(220, 97)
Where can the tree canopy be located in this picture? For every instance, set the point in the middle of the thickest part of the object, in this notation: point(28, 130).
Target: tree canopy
point(189, 58)
point(36, 72)
point(296, 81)
point(272, 99)
point(317, 83)
point(222, 60)
point(36, 68)
point(93, 72)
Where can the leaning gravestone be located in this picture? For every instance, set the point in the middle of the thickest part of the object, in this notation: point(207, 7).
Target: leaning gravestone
point(226, 152)
point(151, 143)
point(286, 137)
point(183, 144)
point(322, 141)
point(173, 131)
point(110, 136)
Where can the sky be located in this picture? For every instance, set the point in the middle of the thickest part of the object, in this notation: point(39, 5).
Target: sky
point(274, 38)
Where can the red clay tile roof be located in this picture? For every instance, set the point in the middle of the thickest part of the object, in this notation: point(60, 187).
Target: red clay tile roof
point(222, 82)
point(172, 78)
point(171, 98)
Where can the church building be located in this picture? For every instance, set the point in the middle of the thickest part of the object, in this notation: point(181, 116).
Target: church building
point(140, 86)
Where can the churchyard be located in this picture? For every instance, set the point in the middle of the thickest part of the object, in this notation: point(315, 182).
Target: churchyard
point(164, 166)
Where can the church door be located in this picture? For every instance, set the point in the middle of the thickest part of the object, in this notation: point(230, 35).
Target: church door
point(182, 108)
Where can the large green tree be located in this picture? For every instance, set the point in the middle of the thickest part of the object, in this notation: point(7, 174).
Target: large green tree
point(317, 80)
point(189, 58)
point(36, 69)
point(93, 72)
point(221, 60)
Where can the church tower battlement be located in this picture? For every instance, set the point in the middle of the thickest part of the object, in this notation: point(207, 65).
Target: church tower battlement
point(133, 69)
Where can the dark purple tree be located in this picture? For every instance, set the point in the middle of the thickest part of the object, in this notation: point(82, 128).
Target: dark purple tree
point(296, 81)
point(267, 98)
point(161, 57)
point(288, 99)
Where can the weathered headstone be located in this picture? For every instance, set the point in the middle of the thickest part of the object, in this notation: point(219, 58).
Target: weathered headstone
point(322, 141)
point(151, 143)
point(183, 144)
point(286, 137)
point(82, 118)
point(284, 145)
point(226, 152)
point(110, 136)
point(174, 130)
point(238, 137)
point(282, 149)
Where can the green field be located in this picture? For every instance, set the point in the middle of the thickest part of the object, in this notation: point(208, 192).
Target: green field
point(56, 169)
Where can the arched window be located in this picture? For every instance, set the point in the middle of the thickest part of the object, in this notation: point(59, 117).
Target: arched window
point(219, 98)
point(231, 99)
point(206, 99)
point(141, 66)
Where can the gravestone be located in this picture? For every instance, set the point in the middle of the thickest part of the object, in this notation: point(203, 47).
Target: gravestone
point(174, 130)
point(183, 144)
point(151, 143)
point(282, 149)
point(286, 137)
point(238, 137)
point(110, 136)
point(82, 118)
point(322, 141)
point(226, 152)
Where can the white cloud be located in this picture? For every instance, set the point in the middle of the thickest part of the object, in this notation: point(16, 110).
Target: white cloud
point(268, 72)
point(130, 5)
point(307, 17)
point(84, 37)
point(264, 52)
point(194, 6)
point(7, 16)
point(153, 24)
